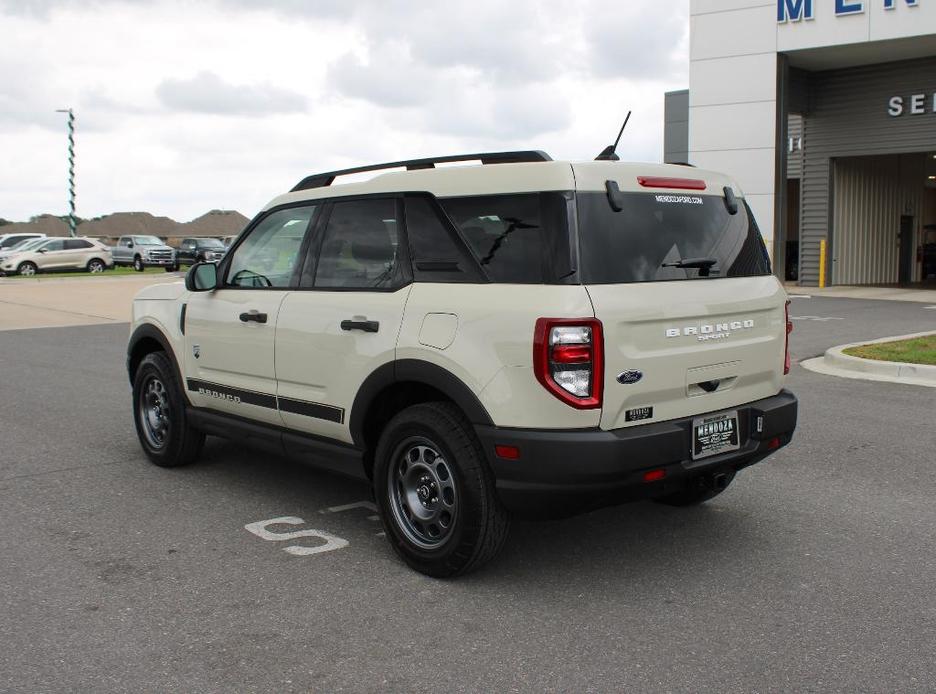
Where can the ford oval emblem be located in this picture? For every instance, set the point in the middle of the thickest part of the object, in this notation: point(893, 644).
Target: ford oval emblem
point(628, 377)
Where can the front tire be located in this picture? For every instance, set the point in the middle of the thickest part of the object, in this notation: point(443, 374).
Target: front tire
point(95, 265)
point(435, 492)
point(165, 434)
point(27, 269)
point(138, 264)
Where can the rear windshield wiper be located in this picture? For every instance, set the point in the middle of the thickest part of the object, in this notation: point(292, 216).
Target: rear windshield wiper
point(704, 265)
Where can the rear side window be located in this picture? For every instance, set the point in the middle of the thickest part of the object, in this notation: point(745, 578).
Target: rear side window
point(76, 244)
point(360, 247)
point(664, 237)
point(438, 256)
point(519, 238)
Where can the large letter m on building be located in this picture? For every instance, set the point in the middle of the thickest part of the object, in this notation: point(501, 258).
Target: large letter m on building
point(794, 10)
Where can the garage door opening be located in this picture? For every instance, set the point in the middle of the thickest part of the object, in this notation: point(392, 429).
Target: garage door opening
point(884, 220)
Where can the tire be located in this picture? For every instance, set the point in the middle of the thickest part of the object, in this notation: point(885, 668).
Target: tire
point(172, 268)
point(96, 265)
point(438, 467)
point(27, 269)
point(138, 264)
point(700, 491)
point(159, 414)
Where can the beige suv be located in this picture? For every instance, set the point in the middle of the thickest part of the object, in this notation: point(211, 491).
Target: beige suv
point(520, 337)
point(59, 254)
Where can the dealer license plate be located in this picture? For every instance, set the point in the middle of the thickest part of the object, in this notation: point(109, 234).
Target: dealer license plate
point(714, 434)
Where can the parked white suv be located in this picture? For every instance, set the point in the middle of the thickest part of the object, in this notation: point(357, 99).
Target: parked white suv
point(54, 254)
point(526, 336)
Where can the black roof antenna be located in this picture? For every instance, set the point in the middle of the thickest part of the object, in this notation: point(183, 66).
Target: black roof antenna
point(609, 153)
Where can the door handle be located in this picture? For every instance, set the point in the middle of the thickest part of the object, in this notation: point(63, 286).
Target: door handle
point(254, 316)
point(368, 326)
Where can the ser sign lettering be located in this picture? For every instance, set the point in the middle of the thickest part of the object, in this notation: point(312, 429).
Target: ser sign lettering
point(915, 105)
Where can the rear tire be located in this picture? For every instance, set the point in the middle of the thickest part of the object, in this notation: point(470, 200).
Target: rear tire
point(27, 269)
point(95, 265)
point(138, 264)
point(698, 492)
point(165, 434)
point(435, 492)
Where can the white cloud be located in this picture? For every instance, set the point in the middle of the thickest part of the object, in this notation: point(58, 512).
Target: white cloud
point(208, 93)
point(184, 107)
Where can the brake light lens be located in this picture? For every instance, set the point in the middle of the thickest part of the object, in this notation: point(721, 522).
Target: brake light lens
point(568, 359)
point(786, 348)
point(667, 182)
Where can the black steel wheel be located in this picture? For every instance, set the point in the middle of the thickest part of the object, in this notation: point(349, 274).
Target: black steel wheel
point(435, 492)
point(165, 434)
point(422, 492)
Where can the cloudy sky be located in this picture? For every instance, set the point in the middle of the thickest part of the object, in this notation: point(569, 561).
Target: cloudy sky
point(188, 106)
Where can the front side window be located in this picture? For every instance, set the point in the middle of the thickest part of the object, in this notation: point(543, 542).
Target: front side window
point(519, 238)
point(270, 253)
point(660, 237)
point(208, 243)
point(56, 245)
point(360, 246)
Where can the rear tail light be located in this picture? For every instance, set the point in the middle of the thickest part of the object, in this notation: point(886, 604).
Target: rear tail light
point(568, 359)
point(786, 348)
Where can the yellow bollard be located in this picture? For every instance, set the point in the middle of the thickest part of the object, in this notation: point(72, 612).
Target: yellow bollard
point(822, 262)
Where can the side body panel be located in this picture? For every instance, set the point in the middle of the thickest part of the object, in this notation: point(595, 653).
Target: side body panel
point(492, 347)
point(320, 366)
point(232, 354)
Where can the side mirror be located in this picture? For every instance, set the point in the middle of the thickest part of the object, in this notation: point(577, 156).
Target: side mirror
point(202, 277)
point(129, 244)
point(43, 250)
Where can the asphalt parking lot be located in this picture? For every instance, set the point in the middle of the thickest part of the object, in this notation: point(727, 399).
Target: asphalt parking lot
point(813, 572)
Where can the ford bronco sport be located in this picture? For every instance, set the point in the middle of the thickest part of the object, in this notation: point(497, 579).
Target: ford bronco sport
point(526, 336)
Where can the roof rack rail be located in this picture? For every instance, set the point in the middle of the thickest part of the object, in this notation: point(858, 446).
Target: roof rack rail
point(323, 180)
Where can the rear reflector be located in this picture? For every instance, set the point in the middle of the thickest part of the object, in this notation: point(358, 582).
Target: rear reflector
point(507, 452)
point(773, 444)
point(654, 475)
point(665, 182)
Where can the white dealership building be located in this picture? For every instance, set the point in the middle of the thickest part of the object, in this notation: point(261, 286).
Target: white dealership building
point(825, 112)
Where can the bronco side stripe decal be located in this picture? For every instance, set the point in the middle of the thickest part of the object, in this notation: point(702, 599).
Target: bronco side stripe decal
point(217, 391)
point(312, 409)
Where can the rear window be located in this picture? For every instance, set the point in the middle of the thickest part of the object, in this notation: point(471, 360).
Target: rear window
point(663, 237)
point(519, 238)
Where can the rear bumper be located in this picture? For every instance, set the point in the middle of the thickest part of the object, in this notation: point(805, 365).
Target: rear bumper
point(567, 471)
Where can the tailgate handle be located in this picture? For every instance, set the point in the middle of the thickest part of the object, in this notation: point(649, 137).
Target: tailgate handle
point(709, 386)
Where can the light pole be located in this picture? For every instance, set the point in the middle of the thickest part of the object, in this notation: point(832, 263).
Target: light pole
point(71, 168)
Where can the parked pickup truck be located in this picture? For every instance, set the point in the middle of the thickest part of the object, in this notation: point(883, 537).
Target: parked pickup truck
point(144, 251)
point(200, 250)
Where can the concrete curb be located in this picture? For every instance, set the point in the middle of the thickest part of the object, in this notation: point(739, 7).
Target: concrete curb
point(836, 363)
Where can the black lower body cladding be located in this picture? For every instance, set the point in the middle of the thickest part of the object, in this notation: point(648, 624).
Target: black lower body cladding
point(563, 472)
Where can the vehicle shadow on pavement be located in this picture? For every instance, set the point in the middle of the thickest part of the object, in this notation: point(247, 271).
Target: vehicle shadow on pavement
point(633, 542)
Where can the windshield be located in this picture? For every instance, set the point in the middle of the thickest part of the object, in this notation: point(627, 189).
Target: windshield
point(147, 241)
point(210, 243)
point(659, 237)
